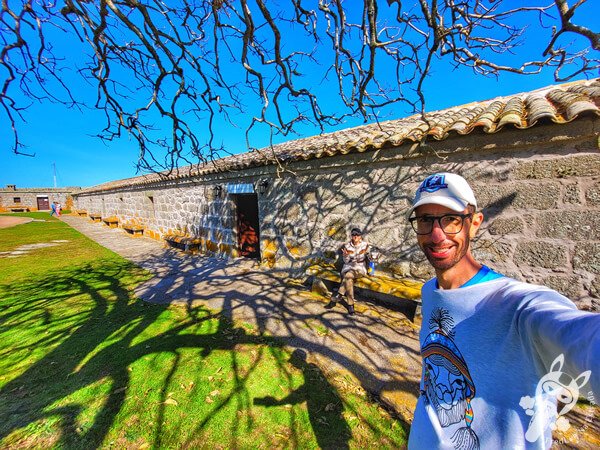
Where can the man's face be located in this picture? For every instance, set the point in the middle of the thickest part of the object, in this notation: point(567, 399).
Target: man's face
point(356, 238)
point(443, 250)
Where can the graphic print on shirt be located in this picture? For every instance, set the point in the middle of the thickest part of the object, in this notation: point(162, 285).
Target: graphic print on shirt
point(555, 385)
point(448, 386)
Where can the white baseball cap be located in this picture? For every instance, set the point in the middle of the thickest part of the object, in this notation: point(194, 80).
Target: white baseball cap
point(446, 189)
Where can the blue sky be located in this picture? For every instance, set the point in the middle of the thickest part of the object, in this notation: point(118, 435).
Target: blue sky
point(64, 138)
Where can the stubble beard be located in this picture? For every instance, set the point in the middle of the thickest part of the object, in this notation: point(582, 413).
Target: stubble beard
point(443, 265)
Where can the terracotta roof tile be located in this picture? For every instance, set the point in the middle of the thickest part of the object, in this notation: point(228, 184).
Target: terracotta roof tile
point(558, 104)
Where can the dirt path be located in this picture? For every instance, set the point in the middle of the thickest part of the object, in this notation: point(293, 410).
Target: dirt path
point(9, 221)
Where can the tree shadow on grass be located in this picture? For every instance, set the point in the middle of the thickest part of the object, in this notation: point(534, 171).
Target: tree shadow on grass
point(364, 346)
point(89, 330)
point(371, 347)
point(68, 339)
point(323, 403)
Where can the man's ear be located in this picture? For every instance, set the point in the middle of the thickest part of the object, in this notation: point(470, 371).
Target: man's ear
point(476, 221)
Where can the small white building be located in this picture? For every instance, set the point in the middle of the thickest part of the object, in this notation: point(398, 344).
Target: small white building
point(34, 199)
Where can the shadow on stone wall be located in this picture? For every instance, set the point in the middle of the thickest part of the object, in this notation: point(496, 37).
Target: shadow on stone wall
point(527, 195)
point(314, 215)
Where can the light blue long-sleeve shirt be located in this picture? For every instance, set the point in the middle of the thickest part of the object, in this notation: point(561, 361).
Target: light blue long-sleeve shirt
point(494, 355)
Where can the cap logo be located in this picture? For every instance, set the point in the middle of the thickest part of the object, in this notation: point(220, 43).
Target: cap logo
point(433, 183)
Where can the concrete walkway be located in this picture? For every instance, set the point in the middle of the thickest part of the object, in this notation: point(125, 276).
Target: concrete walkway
point(378, 346)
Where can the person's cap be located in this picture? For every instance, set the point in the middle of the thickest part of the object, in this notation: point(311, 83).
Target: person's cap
point(446, 189)
point(355, 232)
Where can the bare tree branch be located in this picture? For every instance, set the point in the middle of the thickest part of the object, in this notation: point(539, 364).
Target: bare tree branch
point(169, 74)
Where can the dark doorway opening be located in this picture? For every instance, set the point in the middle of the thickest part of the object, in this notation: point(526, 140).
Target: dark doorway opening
point(247, 225)
point(43, 204)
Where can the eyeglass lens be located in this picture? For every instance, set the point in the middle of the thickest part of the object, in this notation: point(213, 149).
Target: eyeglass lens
point(449, 223)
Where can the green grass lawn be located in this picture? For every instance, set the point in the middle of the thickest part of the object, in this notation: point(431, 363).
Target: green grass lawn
point(84, 364)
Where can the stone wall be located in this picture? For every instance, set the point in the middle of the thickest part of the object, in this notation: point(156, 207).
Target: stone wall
point(28, 197)
point(539, 190)
point(187, 209)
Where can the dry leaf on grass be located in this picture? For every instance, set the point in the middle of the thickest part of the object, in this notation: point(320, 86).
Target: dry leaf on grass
point(188, 387)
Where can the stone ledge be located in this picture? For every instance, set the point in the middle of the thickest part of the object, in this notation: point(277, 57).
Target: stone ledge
point(402, 295)
point(403, 288)
point(112, 222)
point(134, 229)
point(18, 208)
point(185, 243)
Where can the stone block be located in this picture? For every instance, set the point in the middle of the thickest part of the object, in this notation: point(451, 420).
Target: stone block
point(572, 194)
point(398, 268)
point(298, 249)
point(319, 287)
point(383, 237)
point(587, 257)
point(291, 213)
point(571, 166)
point(587, 303)
point(595, 288)
point(421, 270)
point(506, 225)
point(355, 192)
point(287, 230)
point(483, 173)
point(491, 251)
point(521, 196)
point(571, 225)
point(309, 197)
point(549, 255)
point(512, 274)
point(313, 213)
point(336, 230)
point(567, 285)
point(269, 249)
point(592, 195)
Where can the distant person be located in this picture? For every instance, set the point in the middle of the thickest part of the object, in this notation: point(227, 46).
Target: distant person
point(354, 254)
point(58, 209)
point(53, 209)
point(496, 352)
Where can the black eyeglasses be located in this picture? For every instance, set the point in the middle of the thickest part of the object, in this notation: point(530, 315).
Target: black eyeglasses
point(355, 234)
point(449, 223)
